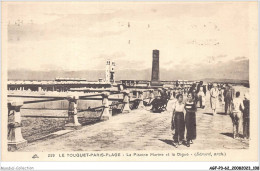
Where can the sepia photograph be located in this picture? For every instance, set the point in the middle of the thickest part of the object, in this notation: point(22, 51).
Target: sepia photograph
point(129, 81)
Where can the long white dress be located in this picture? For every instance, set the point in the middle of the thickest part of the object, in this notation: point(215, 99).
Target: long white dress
point(214, 98)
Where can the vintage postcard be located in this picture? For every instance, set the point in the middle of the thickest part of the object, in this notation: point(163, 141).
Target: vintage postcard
point(129, 81)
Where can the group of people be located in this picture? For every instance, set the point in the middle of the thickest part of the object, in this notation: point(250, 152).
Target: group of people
point(184, 111)
point(159, 103)
point(184, 115)
point(235, 106)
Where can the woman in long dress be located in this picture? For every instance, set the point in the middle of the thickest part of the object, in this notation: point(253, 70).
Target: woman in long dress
point(190, 119)
point(201, 96)
point(214, 93)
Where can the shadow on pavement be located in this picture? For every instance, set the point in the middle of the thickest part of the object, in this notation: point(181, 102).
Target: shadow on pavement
point(221, 113)
point(228, 134)
point(169, 142)
point(231, 134)
point(208, 114)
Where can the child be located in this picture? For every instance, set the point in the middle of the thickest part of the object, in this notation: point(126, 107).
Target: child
point(178, 121)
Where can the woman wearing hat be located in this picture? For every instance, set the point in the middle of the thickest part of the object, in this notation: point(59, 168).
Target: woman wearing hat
point(214, 92)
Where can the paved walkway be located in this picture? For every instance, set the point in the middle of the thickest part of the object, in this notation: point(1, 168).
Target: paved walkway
point(143, 130)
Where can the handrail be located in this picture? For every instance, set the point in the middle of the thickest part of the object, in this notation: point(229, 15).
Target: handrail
point(39, 101)
point(122, 105)
point(34, 96)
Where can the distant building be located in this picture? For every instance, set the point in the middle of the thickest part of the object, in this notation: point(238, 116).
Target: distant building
point(59, 84)
point(110, 72)
point(135, 82)
point(70, 79)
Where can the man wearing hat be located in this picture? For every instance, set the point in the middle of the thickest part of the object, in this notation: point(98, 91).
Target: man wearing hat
point(214, 98)
point(229, 94)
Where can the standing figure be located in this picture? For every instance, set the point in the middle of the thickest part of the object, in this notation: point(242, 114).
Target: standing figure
point(195, 96)
point(151, 96)
point(184, 91)
point(190, 119)
point(169, 93)
point(201, 96)
point(177, 92)
point(205, 89)
point(228, 98)
point(160, 92)
point(237, 108)
point(209, 86)
point(214, 98)
point(199, 86)
point(222, 99)
point(155, 105)
point(174, 94)
point(178, 121)
point(164, 98)
point(246, 116)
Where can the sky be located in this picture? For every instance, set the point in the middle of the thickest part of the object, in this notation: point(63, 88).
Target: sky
point(191, 36)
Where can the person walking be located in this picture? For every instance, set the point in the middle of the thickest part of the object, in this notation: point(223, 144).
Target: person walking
point(174, 93)
point(178, 121)
point(222, 98)
point(190, 119)
point(236, 114)
point(209, 86)
point(214, 98)
point(205, 89)
point(195, 96)
point(201, 97)
point(246, 116)
point(199, 86)
point(228, 98)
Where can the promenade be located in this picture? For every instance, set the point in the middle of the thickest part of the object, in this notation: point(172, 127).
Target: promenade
point(142, 130)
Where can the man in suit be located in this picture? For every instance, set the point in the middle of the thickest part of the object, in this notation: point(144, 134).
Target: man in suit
point(229, 93)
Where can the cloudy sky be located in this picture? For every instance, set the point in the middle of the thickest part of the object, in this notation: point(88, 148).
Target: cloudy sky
point(191, 37)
